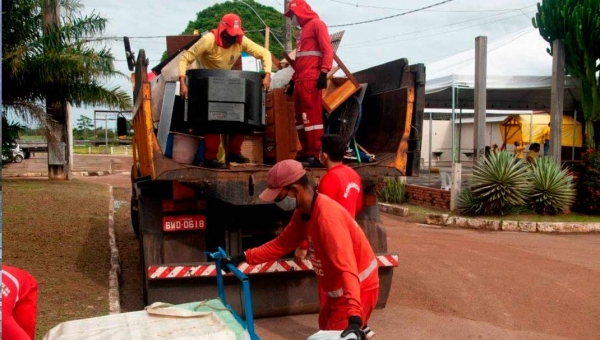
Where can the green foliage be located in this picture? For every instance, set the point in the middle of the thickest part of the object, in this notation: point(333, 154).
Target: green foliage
point(393, 191)
point(500, 182)
point(61, 65)
point(552, 190)
point(577, 24)
point(208, 19)
point(589, 182)
point(467, 204)
point(10, 134)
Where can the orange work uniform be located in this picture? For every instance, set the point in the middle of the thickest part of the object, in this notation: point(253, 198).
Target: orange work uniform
point(342, 258)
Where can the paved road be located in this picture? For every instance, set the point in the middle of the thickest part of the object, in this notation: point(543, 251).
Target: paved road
point(465, 284)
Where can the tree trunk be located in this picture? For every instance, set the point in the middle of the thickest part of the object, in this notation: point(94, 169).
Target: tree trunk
point(56, 109)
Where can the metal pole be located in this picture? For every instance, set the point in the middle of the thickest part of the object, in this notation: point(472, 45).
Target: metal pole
point(480, 103)
point(430, 142)
point(574, 131)
point(557, 96)
point(287, 29)
point(459, 130)
point(530, 129)
point(106, 132)
point(452, 124)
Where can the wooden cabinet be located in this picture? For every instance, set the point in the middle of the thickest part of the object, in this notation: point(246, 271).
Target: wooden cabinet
point(280, 139)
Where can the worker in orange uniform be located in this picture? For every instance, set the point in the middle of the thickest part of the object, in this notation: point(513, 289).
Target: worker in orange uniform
point(19, 304)
point(341, 256)
point(314, 58)
point(220, 49)
point(341, 182)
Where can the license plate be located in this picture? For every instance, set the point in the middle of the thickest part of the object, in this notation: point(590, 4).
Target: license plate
point(184, 222)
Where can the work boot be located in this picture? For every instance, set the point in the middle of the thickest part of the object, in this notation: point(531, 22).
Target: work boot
point(214, 164)
point(312, 162)
point(237, 158)
point(368, 332)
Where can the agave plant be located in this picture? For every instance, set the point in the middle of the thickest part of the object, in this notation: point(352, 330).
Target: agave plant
point(467, 204)
point(553, 190)
point(500, 182)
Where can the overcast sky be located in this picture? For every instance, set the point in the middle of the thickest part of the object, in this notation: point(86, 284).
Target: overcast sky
point(422, 37)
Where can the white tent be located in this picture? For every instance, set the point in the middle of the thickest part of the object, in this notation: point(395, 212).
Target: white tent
point(519, 76)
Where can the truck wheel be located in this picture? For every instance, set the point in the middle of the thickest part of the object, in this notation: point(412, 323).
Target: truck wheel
point(135, 216)
point(134, 211)
point(27, 154)
point(18, 159)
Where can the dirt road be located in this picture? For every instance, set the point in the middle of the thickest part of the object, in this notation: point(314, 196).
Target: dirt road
point(453, 284)
point(463, 284)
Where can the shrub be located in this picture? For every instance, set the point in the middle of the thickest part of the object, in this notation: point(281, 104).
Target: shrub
point(588, 193)
point(393, 191)
point(552, 190)
point(467, 204)
point(500, 182)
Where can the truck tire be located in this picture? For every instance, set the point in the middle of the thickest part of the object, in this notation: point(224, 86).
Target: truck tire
point(18, 159)
point(134, 211)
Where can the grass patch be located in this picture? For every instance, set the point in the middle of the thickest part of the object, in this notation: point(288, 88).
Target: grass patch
point(102, 150)
point(57, 231)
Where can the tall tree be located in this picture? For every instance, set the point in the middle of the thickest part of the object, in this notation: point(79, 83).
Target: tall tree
point(84, 123)
point(577, 24)
point(209, 18)
point(52, 63)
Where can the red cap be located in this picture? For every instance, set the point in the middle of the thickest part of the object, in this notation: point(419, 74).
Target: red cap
point(232, 24)
point(281, 175)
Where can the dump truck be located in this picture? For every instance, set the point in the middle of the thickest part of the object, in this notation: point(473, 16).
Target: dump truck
point(182, 211)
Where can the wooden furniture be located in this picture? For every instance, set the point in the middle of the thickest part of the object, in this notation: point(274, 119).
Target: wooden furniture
point(339, 89)
point(280, 139)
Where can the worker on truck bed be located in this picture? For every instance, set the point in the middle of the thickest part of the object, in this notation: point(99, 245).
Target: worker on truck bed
point(220, 49)
point(341, 256)
point(314, 58)
point(19, 304)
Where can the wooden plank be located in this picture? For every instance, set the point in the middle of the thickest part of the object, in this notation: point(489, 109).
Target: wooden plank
point(480, 97)
point(345, 69)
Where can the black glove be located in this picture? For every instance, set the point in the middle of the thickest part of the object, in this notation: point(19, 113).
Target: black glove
point(322, 82)
point(234, 260)
point(290, 89)
point(354, 327)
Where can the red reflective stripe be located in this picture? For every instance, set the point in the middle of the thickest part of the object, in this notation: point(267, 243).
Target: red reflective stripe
point(207, 270)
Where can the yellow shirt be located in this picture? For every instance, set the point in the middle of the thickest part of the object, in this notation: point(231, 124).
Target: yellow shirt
point(211, 56)
point(532, 156)
point(546, 133)
point(519, 151)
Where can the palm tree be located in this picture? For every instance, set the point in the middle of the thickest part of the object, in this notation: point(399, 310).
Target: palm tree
point(65, 63)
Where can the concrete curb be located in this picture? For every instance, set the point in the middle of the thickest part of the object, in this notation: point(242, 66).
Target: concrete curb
point(114, 303)
point(74, 173)
point(393, 209)
point(445, 220)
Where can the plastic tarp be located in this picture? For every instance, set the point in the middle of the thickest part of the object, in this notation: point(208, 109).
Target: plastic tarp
point(206, 320)
point(521, 127)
